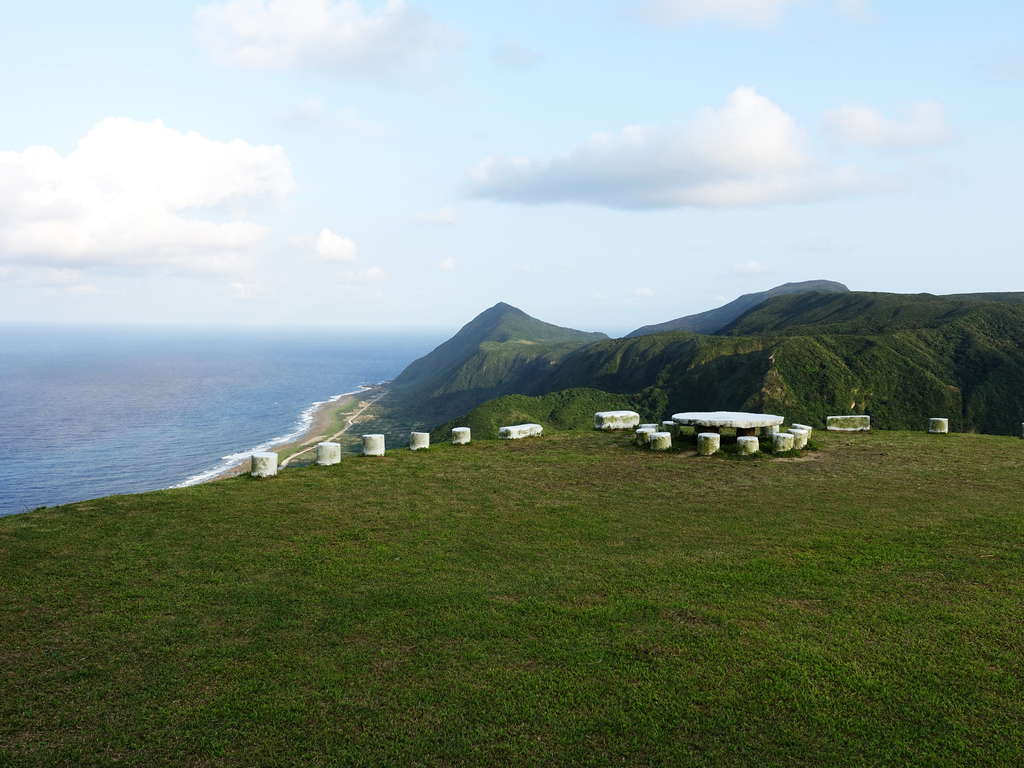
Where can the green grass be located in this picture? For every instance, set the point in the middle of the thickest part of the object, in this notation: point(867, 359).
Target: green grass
point(564, 600)
point(570, 409)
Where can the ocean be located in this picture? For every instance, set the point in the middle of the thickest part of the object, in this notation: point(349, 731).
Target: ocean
point(91, 412)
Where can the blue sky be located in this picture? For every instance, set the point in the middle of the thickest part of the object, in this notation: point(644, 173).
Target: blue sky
point(599, 164)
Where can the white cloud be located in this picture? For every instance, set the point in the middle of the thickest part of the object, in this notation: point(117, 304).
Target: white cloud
point(749, 268)
point(315, 113)
point(360, 276)
point(855, 7)
point(448, 264)
point(331, 246)
point(747, 152)
point(443, 216)
point(138, 194)
point(921, 124)
point(751, 12)
point(758, 12)
point(244, 290)
point(53, 280)
point(337, 36)
point(309, 113)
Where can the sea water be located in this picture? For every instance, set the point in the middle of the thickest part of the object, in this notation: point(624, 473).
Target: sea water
point(92, 412)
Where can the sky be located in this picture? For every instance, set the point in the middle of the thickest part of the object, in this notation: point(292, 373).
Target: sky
point(602, 164)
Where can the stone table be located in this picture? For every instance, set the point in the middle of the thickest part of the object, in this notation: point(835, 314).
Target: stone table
point(745, 424)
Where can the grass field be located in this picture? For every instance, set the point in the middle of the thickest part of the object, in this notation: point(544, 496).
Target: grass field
point(565, 600)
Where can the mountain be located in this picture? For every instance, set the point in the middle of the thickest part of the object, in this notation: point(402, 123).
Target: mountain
point(900, 358)
point(862, 312)
point(715, 319)
point(501, 351)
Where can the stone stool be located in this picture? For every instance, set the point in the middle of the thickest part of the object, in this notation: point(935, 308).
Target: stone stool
point(419, 441)
point(769, 432)
point(709, 443)
point(938, 426)
point(328, 454)
point(800, 438)
point(461, 436)
point(264, 464)
point(660, 441)
point(608, 421)
point(848, 423)
point(643, 435)
point(373, 445)
point(671, 427)
point(520, 431)
point(782, 442)
point(747, 446)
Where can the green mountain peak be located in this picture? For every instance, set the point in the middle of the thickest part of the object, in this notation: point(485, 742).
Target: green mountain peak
point(714, 320)
point(501, 350)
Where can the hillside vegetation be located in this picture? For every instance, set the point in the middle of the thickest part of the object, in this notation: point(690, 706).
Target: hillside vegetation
point(566, 600)
point(570, 409)
point(902, 359)
point(870, 313)
point(714, 320)
point(503, 350)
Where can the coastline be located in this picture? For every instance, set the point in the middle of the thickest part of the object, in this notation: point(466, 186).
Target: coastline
point(321, 421)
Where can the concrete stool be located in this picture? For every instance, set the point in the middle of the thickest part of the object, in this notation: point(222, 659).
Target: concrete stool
point(800, 438)
point(328, 454)
point(461, 436)
point(264, 464)
point(938, 426)
point(769, 432)
point(808, 430)
point(419, 441)
point(373, 445)
point(608, 421)
point(671, 427)
point(520, 431)
point(660, 441)
point(782, 442)
point(643, 435)
point(709, 443)
point(848, 423)
point(747, 446)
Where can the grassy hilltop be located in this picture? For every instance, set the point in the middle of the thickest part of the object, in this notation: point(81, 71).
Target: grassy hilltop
point(563, 600)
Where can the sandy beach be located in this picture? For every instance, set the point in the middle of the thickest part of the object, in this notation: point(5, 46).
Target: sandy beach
point(330, 421)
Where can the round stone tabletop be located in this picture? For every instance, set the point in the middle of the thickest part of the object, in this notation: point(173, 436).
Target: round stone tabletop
point(727, 419)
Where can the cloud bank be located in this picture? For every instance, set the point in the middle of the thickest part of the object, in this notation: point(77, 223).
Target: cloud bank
point(340, 37)
point(756, 12)
point(922, 124)
point(138, 193)
point(746, 152)
point(331, 246)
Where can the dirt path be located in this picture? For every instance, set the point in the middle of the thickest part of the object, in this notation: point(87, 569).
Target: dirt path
point(351, 420)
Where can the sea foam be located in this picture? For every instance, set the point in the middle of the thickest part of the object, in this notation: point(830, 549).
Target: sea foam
point(305, 421)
